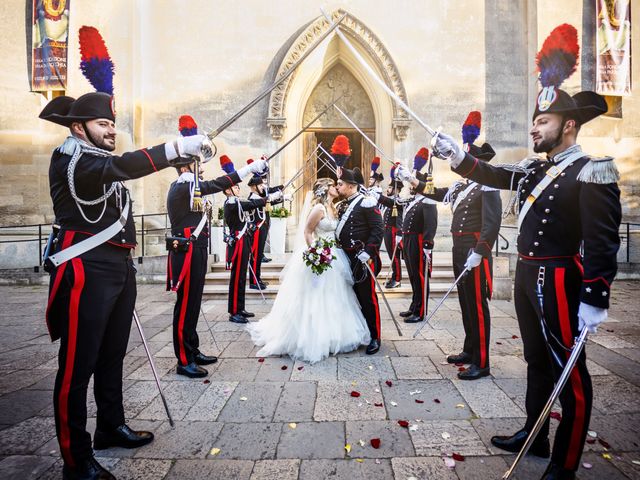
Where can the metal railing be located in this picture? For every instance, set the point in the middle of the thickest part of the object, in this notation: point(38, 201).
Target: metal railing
point(40, 232)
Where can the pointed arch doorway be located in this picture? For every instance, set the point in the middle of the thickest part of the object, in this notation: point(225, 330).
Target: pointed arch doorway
point(354, 101)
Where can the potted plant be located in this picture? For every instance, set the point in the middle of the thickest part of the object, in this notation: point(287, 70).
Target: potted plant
point(278, 229)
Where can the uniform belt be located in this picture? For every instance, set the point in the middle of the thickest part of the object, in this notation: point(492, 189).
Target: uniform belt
point(462, 234)
point(550, 260)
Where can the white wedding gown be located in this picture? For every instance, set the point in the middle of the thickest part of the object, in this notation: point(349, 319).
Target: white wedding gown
point(313, 316)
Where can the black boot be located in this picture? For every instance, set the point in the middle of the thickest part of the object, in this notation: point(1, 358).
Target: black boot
point(246, 314)
point(408, 313)
point(554, 472)
point(265, 260)
point(392, 284)
point(373, 347)
point(473, 372)
point(254, 286)
point(192, 370)
point(202, 359)
point(88, 469)
point(413, 319)
point(238, 318)
point(462, 357)
point(539, 448)
point(123, 437)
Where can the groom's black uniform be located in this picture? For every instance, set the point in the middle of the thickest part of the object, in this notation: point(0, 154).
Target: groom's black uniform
point(363, 230)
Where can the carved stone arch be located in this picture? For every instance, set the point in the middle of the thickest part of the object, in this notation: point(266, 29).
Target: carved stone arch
point(368, 41)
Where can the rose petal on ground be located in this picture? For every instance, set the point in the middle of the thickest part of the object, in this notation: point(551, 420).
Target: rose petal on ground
point(606, 456)
point(375, 442)
point(393, 404)
point(377, 404)
point(592, 434)
point(446, 435)
point(460, 405)
point(498, 343)
point(300, 368)
point(403, 423)
point(377, 390)
point(389, 383)
point(457, 457)
point(378, 461)
point(449, 462)
point(361, 442)
point(283, 367)
point(261, 360)
point(586, 465)
point(635, 462)
point(355, 394)
point(419, 401)
point(359, 460)
point(415, 392)
point(293, 425)
point(604, 443)
point(413, 428)
point(347, 447)
point(206, 381)
point(461, 369)
point(590, 441)
point(370, 367)
point(514, 336)
point(214, 451)
point(556, 416)
point(436, 400)
point(243, 399)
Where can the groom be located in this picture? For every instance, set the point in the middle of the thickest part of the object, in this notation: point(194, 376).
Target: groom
point(359, 233)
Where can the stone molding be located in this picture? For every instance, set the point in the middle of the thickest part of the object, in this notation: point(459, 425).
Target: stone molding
point(376, 51)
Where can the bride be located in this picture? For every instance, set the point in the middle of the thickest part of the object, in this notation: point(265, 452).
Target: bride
point(313, 316)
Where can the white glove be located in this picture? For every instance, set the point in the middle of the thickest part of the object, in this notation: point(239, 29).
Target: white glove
point(257, 166)
point(404, 174)
point(186, 147)
point(590, 317)
point(446, 148)
point(287, 197)
point(398, 239)
point(275, 196)
point(374, 193)
point(473, 260)
point(363, 256)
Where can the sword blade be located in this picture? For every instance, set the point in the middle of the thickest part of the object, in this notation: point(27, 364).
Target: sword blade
point(364, 135)
point(278, 81)
point(303, 129)
point(264, 300)
point(380, 82)
point(152, 364)
point(573, 358)
point(453, 285)
point(393, 317)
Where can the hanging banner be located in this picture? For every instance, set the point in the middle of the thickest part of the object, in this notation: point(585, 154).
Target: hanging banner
point(50, 31)
point(613, 40)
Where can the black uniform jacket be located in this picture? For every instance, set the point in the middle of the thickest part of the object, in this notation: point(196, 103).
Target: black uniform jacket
point(569, 211)
point(179, 208)
point(232, 218)
point(420, 217)
point(390, 220)
point(92, 177)
point(477, 217)
point(363, 228)
point(261, 213)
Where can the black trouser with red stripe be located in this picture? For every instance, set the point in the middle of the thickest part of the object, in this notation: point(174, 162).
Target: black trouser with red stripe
point(365, 289)
point(187, 309)
point(474, 292)
point(415, 260)
point(561, 293)
point(92, 309)
point(257, 252)
point(238, 257)
point(390, 244)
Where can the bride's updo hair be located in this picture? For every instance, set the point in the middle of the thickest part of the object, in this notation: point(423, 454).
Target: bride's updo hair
point(320, 193)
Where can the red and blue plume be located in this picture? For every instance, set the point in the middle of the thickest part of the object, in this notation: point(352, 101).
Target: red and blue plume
point(96, 65)
point(471, 127)
point(187, 126)
point(375, 163)
point(421, 158)
point(558, 57)
point(392, 172)
point(227, 164)
point(340, 150)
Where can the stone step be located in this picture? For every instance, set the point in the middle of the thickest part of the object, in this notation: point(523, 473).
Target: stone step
point(273, 277)
point(438, 289)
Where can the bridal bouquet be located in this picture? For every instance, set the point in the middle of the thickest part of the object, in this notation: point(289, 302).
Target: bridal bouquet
point(319, 255)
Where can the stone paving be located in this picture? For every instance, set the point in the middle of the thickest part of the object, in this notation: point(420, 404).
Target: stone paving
point(280, 419)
